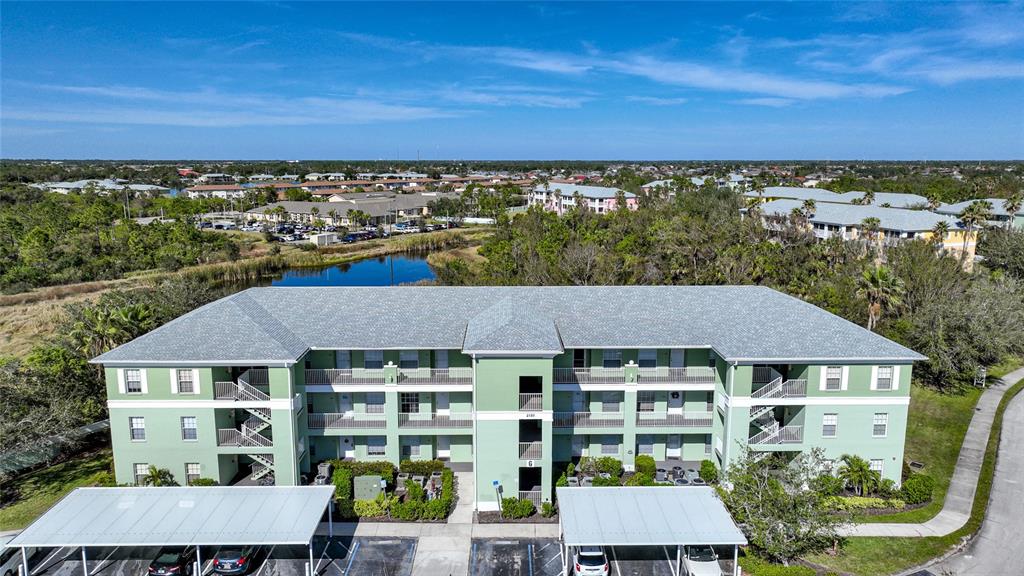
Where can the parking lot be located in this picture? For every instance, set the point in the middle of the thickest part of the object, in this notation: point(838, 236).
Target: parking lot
point(542, 557)
point(335, 557)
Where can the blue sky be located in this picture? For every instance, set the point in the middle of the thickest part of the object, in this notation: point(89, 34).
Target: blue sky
point(277, 80)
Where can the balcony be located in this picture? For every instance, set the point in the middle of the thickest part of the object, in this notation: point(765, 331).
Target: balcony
point(793, 434)
point(531, 402)
point(339, 421)
point(666, 375)
point(590, 375)
point(429, 376)
point(782, 389)
point(239, 391)
point(345, 376)
point(531, 450)
point(588, 419)
point(683, 420)
point(434, 420)
point(235, 437)
point(765, 374)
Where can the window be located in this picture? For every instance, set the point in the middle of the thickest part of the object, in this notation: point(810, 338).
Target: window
point(707, 444)
point(579, 445)
point(375, 445)
point(188, 428)
point(413, 447)
point(677, 358)
point(137, 425)
point(612, 358)
point(834, 378)
point(877, 465)
point(373, 359)
point(133, 381)
point(408, 359)
point(609, 445)
point(645, 444)
point(647, 358)
point(191, 473)
point(884, 381)
point(374, 402)
point(880, 425)
point(709, 402)
point(141, 471)
point(441, 359)
point(186, 385)
point(343, 359)
point(410, 402)
point(579, 358)
point(645, 401)
point(611, 402)
point(712, 360)
point(829, 425)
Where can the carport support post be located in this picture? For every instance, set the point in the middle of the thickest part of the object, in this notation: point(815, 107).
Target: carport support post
point(679, 558)
point(312, 569)
point(330, 520)
point(24, 562)
point(85, 567)
point(735, 560)
point(199, 562)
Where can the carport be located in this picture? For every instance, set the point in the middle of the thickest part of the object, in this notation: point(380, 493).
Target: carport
point(645, 516)
point(179, 516)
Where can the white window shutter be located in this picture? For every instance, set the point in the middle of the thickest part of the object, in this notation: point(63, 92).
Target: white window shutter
point(174, 381)
point(895, 377)
point(874, 377)
point(143, 375)
point(195, 380)
point(822, 376)
point(846, 377)
point(120, 380)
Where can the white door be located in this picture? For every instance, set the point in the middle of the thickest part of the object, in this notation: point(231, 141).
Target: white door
point(441, 359)
point(442, 404)
point(674, 447)
point(346, 447)
point(676, 358)
point(579, 445)
point(578, 402)
point(444, 447)
point(345, 403)
point(675, 402)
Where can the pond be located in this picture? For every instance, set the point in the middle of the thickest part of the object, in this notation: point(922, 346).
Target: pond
point(383, 271)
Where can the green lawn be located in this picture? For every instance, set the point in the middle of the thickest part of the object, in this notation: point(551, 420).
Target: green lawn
point(41, 489)
point(935, 431)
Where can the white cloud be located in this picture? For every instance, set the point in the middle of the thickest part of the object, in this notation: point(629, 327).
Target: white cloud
point(657, 100)
point(770, 102)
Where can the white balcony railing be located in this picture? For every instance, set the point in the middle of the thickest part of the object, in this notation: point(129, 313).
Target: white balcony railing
point(587, 419)
point(255, 377)
point(684, 420)
point(793, 434)
point(235, 437)
point(684, 375)
point(765, 374)
point(345, 376)
point(433, 420)
point(531, 402)
point(530, 450)
point(531, 495)
point(435, 376)
point(334, 420)
point(782, 389)
point(590, 375)
point(240, 391)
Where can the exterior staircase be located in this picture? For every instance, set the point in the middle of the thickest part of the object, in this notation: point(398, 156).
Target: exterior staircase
point(262, 465)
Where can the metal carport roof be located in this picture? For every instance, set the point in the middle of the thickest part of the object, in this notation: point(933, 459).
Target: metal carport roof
point(645, 516)
point(180, 516)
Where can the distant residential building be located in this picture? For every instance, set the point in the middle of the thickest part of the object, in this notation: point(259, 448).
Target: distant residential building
point(883, 199)
point(997, 206)
point(105, 186)
point(216, 178)
point(224, 191)
point(381, 207)
point(560, 197)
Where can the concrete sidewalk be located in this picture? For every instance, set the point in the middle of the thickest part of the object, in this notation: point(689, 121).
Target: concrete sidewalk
point(960, 496)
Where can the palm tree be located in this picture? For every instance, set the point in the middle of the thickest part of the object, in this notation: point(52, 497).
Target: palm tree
point(334, 216)
point(158, 477)
point(939, 232)
point(882, 289)
point(1012, 205)
point(974, 215)
point(807, 209)
point(858, 473)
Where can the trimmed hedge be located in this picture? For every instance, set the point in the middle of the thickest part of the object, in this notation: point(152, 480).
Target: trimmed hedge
point(755, 566)
point(547, 509)
point(917, 488)
point(708, 472)
point(854, 503)
point(204, 482)
point(385, 470)
point(421, 467)
point(645, 464)
point(515, 508)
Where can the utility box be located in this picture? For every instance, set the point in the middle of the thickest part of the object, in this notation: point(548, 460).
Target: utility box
point(367, 487)
point(325, 239)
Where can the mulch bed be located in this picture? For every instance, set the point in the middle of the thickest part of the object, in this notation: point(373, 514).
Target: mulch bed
point(495, 518)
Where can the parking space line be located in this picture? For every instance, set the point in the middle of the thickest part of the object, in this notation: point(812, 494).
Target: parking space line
point(265, 560)
point(351, 558)
point(529, 558)
point(615, 562)
point(42, 565)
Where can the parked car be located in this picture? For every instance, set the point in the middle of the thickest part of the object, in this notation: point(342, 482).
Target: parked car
point(701, 561)
point(349, 238)
point(10, 558)
point(234, 560)
point(590, 561)
point(173, 560)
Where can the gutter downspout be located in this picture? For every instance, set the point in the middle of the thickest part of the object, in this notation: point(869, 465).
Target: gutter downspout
point(730, 376)
point(475, 447)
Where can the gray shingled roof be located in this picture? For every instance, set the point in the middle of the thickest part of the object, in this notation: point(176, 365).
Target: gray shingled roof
point(996, 206)
point(569, 190)
point(263, 326)
point(896, 219)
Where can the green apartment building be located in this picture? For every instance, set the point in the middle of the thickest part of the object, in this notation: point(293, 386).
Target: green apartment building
point(509, 382)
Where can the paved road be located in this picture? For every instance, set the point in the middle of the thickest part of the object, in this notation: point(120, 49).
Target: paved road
point(960, 497)
point(997, 547)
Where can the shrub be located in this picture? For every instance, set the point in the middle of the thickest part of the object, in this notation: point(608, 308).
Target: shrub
point(421, 467)
point(887, 489)
point(434, 510)
point(342, 479)
point(414, 492)
point(602, 481)
point(828, 484)
point(609, 465)
point(385, 470)
point(570, 470)
point(547, 509)
point(368, 508)
point(708, 472)
point(645, 464)
point(755, 566)
point(408, 510)
point(514, 508)
point(854, 503)
point(917, 489)
point(204, 482)
point(562, 481)
point(638, 479)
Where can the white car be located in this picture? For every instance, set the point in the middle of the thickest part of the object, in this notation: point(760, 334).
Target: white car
point(10, 558)
point(701, 561)
point(590, 561)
